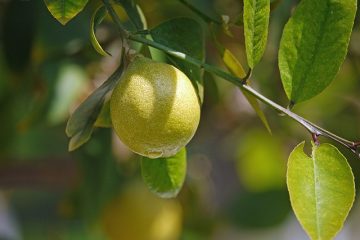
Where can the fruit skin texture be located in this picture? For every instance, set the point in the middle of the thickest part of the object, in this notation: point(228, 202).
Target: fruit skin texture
point(137, 214)
point(154, 108)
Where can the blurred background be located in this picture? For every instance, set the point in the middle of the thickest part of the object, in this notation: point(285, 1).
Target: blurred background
point(235, 186)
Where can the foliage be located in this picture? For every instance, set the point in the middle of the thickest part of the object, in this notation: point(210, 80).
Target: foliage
point(321, 199)
point(313, 47)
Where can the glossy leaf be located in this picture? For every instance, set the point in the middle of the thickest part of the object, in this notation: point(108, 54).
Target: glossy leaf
point(256, 22)
point(313, 46)
point(321, 189)
point(184, 35)
point(80, 125)
point(165, 176)
point(96, 19)
point(236, 68)
point(65, 10)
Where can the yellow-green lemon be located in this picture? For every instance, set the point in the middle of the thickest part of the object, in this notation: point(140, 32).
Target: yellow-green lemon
point(137, 214)
point(154, 109)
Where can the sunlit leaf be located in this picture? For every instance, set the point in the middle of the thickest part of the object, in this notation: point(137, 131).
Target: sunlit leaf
point(256, 22)
point(80, 125)
point(233, 64)
point(165, 176)
point(321, 189)
point(65, 10)
point(313, 46)
point(184, 35)
point(96, 19)
point(236, 68)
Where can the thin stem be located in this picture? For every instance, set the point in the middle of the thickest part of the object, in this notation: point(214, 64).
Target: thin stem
point(311, 127)
point(124, 33)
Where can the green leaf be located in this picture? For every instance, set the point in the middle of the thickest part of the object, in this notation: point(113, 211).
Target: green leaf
point(321, 189)
point(236, 68)
point(203, 9)
point(314, 45)
point(80, 125)
point(184, 35)
point(256, 22)
point(104, 117)
point(65, 10)
point(165, 176)
point(96, 19)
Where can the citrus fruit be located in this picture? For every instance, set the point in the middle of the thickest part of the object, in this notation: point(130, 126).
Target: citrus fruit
point(137, 214)
point(154, 109)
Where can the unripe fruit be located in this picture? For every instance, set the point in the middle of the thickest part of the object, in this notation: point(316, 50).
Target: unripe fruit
point(154, 109)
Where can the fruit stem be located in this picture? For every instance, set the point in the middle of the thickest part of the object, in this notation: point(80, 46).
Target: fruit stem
point(311, 127)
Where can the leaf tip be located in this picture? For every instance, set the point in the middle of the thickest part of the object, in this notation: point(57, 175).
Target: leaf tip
point(167, 194)
point(63, 21)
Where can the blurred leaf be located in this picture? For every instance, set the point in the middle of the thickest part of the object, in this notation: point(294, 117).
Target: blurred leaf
point(184, 35)
point(81, 137)
point(69, 83)
point(18, 31)
point(233, 64)
point(25, 145)
point(104, 118)
point(96, 19)
point(65, 10)
point(236, 68)
point(134, 12)
point(211, 89)
point(256, 106)
point(165, 176)
point(260, 162)
point(321, 189)
point(259, 210)
point(203, 9)
point(256, 23)
point(314, 45)
point(101, 177)
point(274, 4)
point(81, 122)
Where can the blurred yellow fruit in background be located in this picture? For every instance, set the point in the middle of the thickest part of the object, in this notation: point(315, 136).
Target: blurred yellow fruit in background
point(137, 214)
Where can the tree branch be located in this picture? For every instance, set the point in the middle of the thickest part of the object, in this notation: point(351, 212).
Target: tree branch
point(311, 127)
